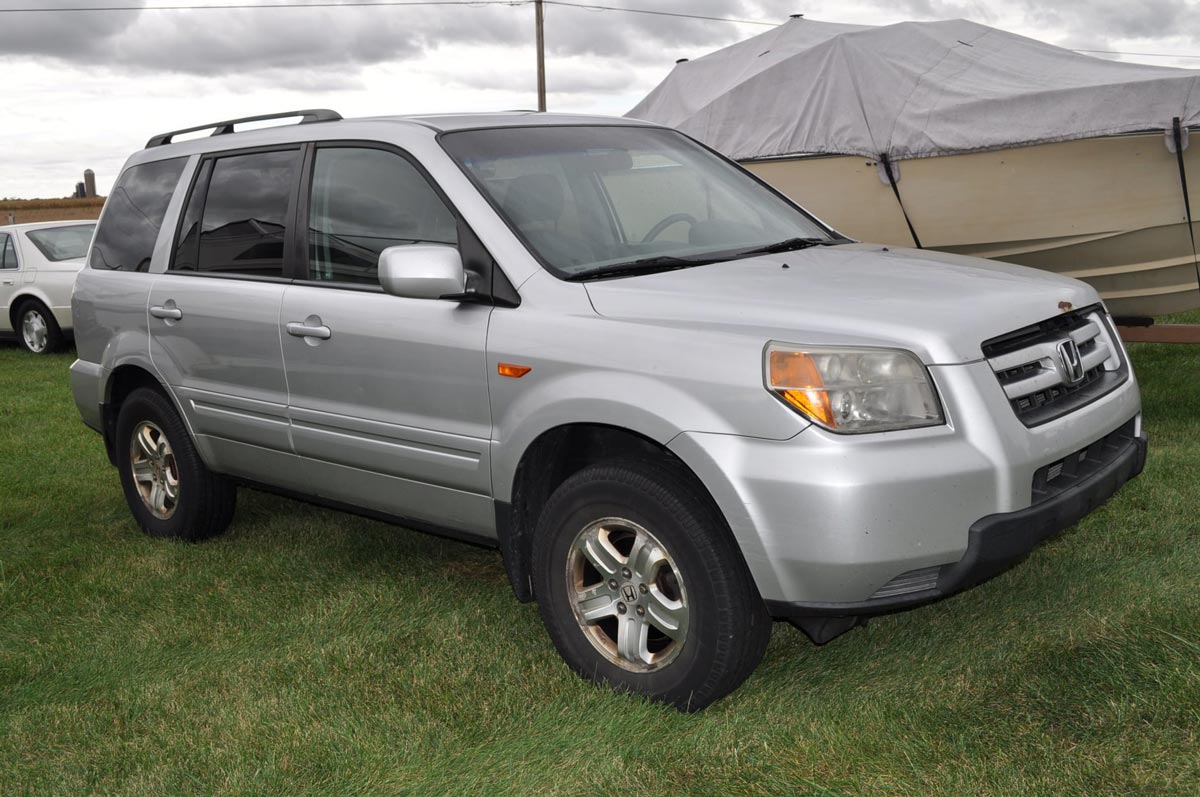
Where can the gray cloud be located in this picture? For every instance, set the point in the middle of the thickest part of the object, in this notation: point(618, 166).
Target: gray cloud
point(647, 37)
point(1114, 18)
point(66, 35)
point(941, 9)
point(563, 78)
point(220, 42)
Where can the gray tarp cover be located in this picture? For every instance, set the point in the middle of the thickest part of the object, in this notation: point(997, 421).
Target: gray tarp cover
point(911, 90)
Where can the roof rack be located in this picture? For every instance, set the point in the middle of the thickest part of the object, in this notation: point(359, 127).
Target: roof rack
point(225, 128)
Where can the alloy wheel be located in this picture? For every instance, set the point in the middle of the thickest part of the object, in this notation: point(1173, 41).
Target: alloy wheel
point(627, 594)
point(155, 472)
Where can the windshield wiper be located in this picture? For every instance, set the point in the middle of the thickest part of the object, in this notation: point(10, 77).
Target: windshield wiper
point(791, 245)
point(647, 265)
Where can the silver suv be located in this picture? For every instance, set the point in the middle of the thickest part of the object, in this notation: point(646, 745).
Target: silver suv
point(677, 403)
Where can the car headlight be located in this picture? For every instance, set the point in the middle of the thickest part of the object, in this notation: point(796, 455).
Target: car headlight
point(852, 391)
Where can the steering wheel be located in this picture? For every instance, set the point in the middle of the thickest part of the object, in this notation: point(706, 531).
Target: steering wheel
point(674, 218)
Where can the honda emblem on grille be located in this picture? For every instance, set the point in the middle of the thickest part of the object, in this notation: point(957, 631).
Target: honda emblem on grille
point(1072, 363)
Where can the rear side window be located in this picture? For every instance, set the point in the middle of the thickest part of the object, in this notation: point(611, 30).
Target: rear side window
point(133, 215)
point(363, 201)
point(62, 243)
point(8, 252)
point(236, 220)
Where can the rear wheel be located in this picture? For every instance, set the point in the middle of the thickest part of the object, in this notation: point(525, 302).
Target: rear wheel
point(170, 491)
point(37, 330)
point(642, 587)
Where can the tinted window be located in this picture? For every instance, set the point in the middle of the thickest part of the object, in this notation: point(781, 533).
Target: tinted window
point(244, 224)
point(363, 201)
point(62, 243)
point(188, 247)
point(134, 214)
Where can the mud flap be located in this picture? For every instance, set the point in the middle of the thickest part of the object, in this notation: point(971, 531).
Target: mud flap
point(825, 629)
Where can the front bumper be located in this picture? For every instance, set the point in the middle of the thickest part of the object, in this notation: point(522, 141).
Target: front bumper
point(844, 521)
point(1000, 541)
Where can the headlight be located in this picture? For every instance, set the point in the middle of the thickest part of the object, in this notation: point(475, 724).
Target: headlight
point(854, 390)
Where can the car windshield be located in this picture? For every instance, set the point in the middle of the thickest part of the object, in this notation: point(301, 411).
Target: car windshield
point(63, 243)
point(611, 200)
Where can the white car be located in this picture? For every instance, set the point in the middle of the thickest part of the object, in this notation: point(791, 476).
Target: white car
point(38, 264)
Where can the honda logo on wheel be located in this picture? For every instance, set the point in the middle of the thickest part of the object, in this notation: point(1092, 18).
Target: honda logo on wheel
point(630, 593)
point(1072, 363)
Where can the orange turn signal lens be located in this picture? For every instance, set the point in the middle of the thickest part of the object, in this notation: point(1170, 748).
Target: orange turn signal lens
point(796, 378)
point(513, 371)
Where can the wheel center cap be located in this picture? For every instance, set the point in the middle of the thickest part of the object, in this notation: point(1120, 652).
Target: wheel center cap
point(630, 593)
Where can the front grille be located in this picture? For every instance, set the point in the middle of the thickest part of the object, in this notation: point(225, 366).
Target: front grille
point(1050, 480)
point(1036, 378)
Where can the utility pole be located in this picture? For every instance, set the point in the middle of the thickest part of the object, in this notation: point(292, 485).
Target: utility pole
point(541, 55)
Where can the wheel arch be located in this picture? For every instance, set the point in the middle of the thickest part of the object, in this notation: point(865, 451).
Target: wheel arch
point(121, 382)
point(552, 457)
point(24, 294)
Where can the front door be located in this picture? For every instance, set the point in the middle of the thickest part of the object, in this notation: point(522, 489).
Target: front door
point(389, 401)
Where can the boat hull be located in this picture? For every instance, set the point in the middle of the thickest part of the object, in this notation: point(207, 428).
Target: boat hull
point(1109, 211)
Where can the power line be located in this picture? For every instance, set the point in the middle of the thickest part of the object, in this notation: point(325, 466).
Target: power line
point(474, 3)
point(378, 3)
point(262, 6)
point(594, 7)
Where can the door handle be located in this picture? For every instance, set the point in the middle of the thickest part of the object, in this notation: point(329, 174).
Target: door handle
point(301, 329)
point(172, 313)
point(8, 282)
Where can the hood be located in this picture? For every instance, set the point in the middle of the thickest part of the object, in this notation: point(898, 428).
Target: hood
point(939, 306)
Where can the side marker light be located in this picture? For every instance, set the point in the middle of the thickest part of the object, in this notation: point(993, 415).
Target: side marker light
point(513, 371)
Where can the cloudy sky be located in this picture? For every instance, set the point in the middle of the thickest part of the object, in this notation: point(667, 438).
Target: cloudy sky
point(85, 89)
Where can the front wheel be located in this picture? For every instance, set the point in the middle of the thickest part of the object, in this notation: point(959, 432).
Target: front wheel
point(642, 587)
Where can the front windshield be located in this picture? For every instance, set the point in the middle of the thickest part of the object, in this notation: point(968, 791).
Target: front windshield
point(63, 243)
point(601, 200)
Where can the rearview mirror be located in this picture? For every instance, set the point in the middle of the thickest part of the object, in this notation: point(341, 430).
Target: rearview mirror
point(422, 271)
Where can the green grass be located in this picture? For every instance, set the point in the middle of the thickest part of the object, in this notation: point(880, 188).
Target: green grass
point(310, 652)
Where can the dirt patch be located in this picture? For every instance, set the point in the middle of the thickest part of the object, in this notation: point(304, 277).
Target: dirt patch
point(22, 211)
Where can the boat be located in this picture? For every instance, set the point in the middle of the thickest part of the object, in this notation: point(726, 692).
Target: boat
point(964, 138)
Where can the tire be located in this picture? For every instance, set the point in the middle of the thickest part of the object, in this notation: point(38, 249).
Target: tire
point(37, 330)
point(175, 495)
point(706, 627)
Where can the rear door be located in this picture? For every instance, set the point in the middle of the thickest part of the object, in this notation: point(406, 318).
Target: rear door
point(389, 404)
point(214, 315)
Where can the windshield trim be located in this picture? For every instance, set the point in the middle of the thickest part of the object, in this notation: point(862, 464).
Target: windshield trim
point(555, 271)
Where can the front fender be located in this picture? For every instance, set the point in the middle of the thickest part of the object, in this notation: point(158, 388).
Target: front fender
point(656, 380)
point(650, 407)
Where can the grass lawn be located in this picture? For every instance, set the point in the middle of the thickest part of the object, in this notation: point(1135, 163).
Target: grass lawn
point(310, 652)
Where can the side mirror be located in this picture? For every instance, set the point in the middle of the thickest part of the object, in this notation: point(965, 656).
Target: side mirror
point(422, 271)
